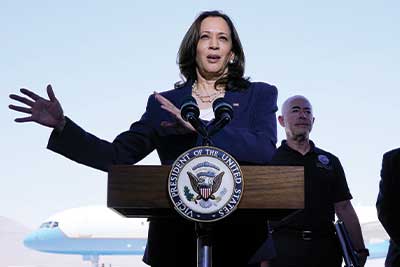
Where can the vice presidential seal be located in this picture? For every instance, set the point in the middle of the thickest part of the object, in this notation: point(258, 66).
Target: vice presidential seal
point(205, 184)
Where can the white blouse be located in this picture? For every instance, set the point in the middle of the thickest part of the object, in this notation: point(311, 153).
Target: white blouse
point(207, 114)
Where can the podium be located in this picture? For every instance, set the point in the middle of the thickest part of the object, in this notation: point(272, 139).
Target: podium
point(141, 191)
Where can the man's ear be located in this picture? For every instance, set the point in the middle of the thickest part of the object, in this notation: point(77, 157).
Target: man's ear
point(281, 120)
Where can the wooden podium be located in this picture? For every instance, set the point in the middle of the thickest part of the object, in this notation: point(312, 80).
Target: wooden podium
point(141, 191)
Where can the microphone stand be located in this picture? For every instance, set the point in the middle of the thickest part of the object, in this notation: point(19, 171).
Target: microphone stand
point(204, 244)
point(204, 230)
point(190, 113)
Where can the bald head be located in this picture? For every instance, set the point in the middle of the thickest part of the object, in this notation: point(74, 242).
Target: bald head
point(287, 104)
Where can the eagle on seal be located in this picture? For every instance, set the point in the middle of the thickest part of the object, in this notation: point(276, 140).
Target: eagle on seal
point(205, 186)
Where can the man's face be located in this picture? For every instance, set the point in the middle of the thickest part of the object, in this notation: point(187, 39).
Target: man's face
point(297, 118)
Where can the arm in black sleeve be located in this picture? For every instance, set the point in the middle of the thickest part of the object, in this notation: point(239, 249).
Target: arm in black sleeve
point(341, 191)
point(389, 195)
point(128, 147)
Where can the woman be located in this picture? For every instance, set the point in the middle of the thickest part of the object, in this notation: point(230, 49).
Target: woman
point(211, 60)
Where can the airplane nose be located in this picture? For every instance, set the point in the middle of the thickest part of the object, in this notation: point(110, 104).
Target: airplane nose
point(43, 239)
point(30, 240)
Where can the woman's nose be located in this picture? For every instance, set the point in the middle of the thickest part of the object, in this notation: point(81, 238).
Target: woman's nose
point(214, 43)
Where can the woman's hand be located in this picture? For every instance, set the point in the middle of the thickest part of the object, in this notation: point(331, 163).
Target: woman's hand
point(179, 124)
point(45, 112)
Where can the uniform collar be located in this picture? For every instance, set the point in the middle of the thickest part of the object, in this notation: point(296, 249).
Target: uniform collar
point(285, 146)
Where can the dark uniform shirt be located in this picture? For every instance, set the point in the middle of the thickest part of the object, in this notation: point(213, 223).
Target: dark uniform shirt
point(324, 184)
point(307, 238)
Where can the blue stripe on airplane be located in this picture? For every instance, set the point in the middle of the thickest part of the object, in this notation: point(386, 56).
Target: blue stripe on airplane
point(378, 250)
point(54, 241)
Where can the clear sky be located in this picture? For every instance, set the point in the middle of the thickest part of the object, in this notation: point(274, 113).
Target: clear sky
point(104, 58)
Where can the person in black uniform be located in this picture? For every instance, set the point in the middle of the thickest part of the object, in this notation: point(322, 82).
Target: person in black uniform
point(387, 204)
point(308, 237)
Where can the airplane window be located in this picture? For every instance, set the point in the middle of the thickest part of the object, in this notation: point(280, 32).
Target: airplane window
point(45, 225)
point(55, 224)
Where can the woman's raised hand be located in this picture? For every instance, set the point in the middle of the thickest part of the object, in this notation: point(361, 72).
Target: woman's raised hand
point(179, 124)
point(45, 112)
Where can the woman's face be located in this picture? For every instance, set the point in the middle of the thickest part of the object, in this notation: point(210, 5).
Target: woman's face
point(214, 48)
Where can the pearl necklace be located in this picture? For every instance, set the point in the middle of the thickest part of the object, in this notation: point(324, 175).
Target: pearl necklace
point(206, 98)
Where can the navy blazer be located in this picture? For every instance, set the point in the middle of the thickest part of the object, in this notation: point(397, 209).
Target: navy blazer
point(388, 203)
point(250, 138)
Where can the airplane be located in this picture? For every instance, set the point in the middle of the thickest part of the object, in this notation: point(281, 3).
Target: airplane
point(93, 231)
point(90, 231)
point(375, 237)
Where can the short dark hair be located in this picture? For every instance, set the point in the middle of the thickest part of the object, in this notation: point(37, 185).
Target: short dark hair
point(233, 80)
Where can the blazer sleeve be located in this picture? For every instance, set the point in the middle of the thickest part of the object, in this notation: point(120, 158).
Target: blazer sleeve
point(255, 144)
point(128, 147)
point(388, 198)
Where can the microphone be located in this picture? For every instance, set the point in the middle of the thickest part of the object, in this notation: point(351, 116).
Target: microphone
point(190, 112)
point(222, 110)
point(189, 109)
point(223, 113)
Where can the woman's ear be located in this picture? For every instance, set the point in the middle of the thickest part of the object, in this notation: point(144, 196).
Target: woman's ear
point(232, 58)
